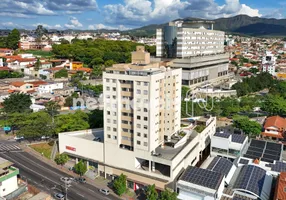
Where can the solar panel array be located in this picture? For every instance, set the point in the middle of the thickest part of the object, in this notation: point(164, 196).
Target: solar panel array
point(243, 161)
point(279, 167)
point(265, 151)
point(202, 177)
point(238, 138)
point(251, 178)
point(222, 135)
point(220, 165)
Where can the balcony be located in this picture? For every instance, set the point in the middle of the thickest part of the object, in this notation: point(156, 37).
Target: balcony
point(126, 126)
point(127, 118)
point(127, 143)
point(126, 85)
point(127, 94)
point(126, 134)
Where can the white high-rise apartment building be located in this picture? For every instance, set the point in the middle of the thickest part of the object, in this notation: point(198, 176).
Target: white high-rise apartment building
point(142, 103)
point(190, 38)
point(269, 63)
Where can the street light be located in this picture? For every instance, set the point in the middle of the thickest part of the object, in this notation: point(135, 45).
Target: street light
point(67, 181)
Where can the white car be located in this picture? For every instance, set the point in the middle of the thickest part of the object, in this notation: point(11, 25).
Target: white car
point(104, 191)
point(19, 138)
point(59, 196)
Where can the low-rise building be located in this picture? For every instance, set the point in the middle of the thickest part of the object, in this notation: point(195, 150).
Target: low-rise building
point(49, 88)
point(274, 128)
point(280, 191)
point(8, 177)
point(228, 145)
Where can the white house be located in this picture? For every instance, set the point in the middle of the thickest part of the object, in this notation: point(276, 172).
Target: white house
point(49, 88)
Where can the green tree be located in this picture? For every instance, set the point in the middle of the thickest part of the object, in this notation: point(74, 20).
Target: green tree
point(13, 39)
point(63, 73)
point(151, 192)
point(52, 108)
point(72, 122)
point(168, 195)
point(61, 159)
point(274, 105)
point(251, 128)
point(119, 184)
point(17, 102)
point(38, 65)
point(96, 119)
point(36, 125)
point(80, 168)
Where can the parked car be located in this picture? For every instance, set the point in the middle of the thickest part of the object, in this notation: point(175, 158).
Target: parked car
point(59, 196)
point(104, 191)
point(80, 180)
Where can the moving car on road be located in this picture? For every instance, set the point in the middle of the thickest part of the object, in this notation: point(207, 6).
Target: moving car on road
point(59, 196)
point(104, 191)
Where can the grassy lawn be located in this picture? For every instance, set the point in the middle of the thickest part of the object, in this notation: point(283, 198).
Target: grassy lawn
point(44, 148)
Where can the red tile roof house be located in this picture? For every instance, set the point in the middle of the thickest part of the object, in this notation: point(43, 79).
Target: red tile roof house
point(280, 190)
point(274, 128)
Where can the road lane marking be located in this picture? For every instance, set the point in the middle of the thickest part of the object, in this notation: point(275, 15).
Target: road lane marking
point(33, 171)
point(91, 190)
point(80, 194)
point(40, 165)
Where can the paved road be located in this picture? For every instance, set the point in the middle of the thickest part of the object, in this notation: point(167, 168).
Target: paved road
point(47, 178)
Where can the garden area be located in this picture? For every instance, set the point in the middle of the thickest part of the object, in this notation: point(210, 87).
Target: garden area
point(43, 148)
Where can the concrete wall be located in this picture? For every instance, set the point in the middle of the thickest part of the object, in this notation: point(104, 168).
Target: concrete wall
point(8, 186)
point(81, 147)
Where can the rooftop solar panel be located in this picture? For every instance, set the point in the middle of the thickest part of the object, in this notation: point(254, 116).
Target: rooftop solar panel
point(238, 138)
point(258, 143)
point(222, 135)
point(254, 149)
point(243, 161)
point(251, 178)
point(267, 160)
point(202, 177)
point(279, 167)
point(273, 146)
point(220, 165)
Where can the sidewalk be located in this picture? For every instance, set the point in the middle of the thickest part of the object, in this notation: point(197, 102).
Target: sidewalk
point(95, 183)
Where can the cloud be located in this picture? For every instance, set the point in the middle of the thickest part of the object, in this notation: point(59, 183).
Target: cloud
point(47, 7)
point(73, 23)
point(143, 12)
point(16, 15)
point(102, 26)
point(57, 26)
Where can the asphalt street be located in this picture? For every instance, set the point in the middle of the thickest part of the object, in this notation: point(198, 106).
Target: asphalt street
point(47, 178)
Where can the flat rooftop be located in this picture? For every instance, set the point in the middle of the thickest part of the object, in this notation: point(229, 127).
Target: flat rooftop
point(90, 134)
point(169, 153)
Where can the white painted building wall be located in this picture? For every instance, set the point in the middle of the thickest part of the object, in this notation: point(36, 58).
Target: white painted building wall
point(49, 88)
point(8, 186)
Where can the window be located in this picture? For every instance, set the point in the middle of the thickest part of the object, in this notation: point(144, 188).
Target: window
point(114, 121)
point(138, 134)
point(138, 83)
point(114, 113)
point(108, 136)
point(108, 128)
point(114, 137)
point(108, 112)
point(114, 89)
point(145, 118)
point(145, 127)
point(138, 92)
point(138, 125)
point(145, 110)
point(138, 142)
point(114, 81)
point(145, 135)
point(138, 117)
point(145, 144)
point(108, 120)
point(108, 88)
point(107, 80)
point(145, 92)
point(114, 129)
point(145, 83)
point(125, 130)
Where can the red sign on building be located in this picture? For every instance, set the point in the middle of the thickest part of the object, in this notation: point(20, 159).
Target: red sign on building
point(70, 148)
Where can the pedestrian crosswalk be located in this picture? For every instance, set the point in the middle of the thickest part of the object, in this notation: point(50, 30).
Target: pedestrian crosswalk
point(9, 147)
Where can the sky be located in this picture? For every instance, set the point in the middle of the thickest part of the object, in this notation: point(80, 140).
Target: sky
point(126, 14)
